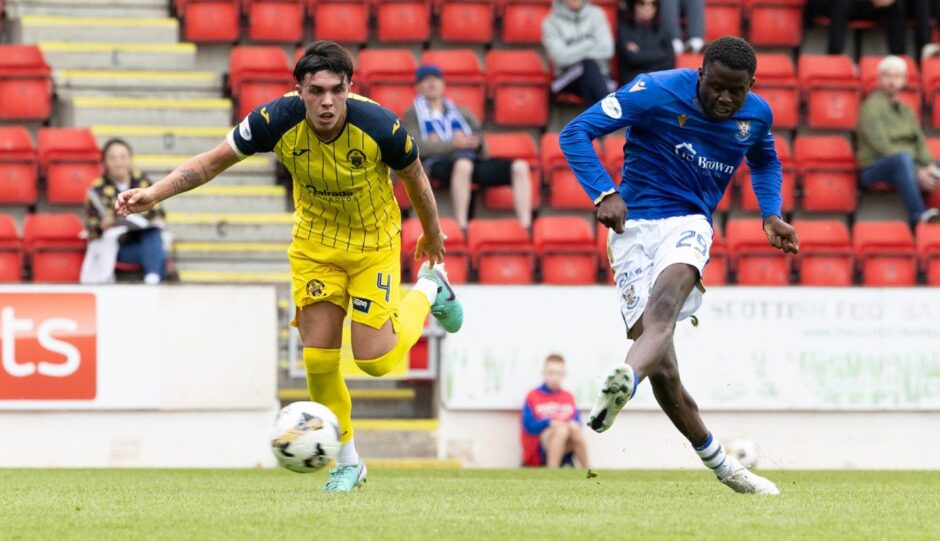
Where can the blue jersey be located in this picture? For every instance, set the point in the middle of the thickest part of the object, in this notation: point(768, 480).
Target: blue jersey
point(678, 160)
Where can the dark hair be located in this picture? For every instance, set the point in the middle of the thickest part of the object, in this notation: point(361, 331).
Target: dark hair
point(732, 52)
point(110, 143)
point(628, 13)
point(554, 358)
point(324, 55)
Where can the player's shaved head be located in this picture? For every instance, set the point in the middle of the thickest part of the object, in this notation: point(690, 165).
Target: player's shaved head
point(324, 55)
point(732, 52)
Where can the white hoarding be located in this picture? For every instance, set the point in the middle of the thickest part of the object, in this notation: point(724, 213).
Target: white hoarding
point(824, 349)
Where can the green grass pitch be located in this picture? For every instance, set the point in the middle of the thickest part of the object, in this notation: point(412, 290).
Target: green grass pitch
point(445, 505)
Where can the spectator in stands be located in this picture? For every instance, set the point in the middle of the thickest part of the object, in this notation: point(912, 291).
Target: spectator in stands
point(454, 153)
point(892, 147)
point(551, 423)
point(579, 44)
point(840, 12)
point(694, 11)
point(643, 43)
point(136, 239)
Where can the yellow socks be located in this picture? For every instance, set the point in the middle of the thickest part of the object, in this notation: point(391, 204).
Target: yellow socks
point(412, 311)
point(326, 385)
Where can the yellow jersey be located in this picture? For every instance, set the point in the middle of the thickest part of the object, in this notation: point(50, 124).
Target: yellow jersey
point(342, 188)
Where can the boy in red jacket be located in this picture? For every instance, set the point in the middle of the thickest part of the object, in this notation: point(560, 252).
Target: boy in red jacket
point(551, 424)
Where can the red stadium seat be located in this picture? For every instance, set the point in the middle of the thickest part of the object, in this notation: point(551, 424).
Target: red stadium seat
point(928, 250)
point(749, 200)
point(55, 247)
point(885, 253)
point(518, 84)
point(25, 83)
point(777, 84)
point(911, 95)
point(513, 145)
point(457, 260)
point(565, 246)
point(403, 21)
point(276, 20)
point(258, 75)
point(354, 15)
point(757, 262)
point(466, 84)
point(18, 166)
point(689, 61)
point(775, 23)
point(69, 160)
point(930, 68)
point(827, 168)
point(722, 18)
point(565, 190)
point(467, 21)
point(207, 21)
point(501, 251)
point(825, 257)
point(388, 77)
point(831, 89)
point(11, 251)
point(522, 20)
point(716, 271)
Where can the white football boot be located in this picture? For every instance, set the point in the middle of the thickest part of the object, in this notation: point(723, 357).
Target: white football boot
point(617, 391)
point(745, 481)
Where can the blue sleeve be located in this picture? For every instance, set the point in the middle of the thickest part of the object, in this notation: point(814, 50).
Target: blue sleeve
point(618, 110)
point(530, 423)
point(766, 174)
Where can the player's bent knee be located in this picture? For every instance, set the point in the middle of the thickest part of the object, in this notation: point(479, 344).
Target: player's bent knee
point(379, 366)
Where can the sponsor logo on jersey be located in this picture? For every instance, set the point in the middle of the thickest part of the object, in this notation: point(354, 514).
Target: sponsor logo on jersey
point(744, 130)
point(356, 158)
point(315, 288)
point(327, 193)
point(688, 152)
point(361, 305)
point(265, 115)
point(611, 106)
point(682, 120)
point(300, 151)
point(244, 129)
point(638, 87)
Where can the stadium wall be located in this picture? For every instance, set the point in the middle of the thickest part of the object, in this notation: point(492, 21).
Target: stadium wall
point(817, 377)
point(137, 376)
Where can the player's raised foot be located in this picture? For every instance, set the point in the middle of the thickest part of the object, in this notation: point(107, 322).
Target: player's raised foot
point(744, 481)
point(617, 391)
point(346, 478)
point(446, 308)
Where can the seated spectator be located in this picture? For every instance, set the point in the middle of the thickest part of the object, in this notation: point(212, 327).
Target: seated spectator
point(840, 12)
point(453, 151)
point(694, 11)
point(643, 43)
point(892, 147)
point(579, 44)
point(551, 423)
point(136, 239)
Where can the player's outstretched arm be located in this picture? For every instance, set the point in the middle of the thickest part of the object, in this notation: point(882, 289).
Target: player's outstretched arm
point(431, 242)
point(192, 173)
point(781, 235)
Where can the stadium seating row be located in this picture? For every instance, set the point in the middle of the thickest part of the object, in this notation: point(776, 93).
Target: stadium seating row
point(51, 245)
point(567, 250)
point(67, 158)
point(516, 81)
point(772, 23)
point(25, 84)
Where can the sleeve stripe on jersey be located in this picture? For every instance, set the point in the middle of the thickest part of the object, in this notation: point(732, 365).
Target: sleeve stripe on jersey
point(230, 139)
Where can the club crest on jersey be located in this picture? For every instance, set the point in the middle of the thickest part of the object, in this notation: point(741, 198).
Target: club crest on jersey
point(744, 130)
point(682, 120)
point(611, 106)
point(315, 288)
point(356, 158)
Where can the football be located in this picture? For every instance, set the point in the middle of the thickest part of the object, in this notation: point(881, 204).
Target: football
point(305, 437)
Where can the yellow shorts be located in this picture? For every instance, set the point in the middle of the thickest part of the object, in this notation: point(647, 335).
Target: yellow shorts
point(365, 284)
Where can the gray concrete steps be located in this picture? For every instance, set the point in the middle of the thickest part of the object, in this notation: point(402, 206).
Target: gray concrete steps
point(209, 198)
point(88, 8)
point(137, 84)
point(227, 272)
point(231, 251)
point(230, 227)
point(180, 140)
point(158, 165)
point(108, 55)
point(38, 28)
point(396, 438)
point(85, 111)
